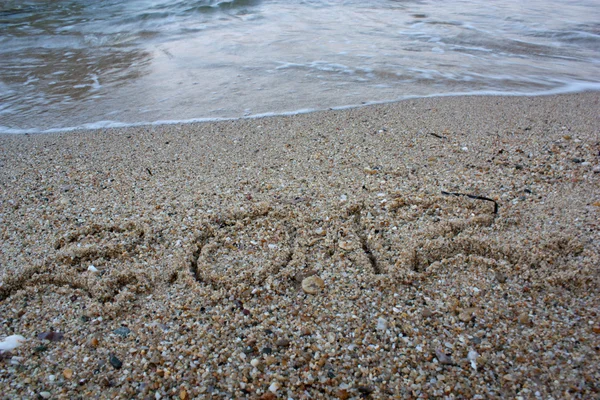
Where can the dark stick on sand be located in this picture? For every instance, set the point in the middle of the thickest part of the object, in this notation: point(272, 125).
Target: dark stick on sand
point(472, 196)
point(437, 136)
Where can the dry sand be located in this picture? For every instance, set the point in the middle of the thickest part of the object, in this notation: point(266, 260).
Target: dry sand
point(309, 256)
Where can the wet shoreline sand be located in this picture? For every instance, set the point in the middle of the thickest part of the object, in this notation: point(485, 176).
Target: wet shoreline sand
point(311, 255)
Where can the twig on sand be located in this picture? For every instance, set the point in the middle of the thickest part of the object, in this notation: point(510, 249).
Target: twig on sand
point(472, 196)
point(437, 136)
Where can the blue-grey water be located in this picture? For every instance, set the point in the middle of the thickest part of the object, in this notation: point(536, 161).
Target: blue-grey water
point(73, 63)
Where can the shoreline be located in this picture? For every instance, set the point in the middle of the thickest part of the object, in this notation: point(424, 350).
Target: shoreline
point(314, 253)
point(572, 88)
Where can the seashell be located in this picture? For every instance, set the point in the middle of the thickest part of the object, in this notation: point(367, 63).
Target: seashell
point(524, 318)
point(472, 357)
point(345, 245)
point(313, 284)
point(274, 387)
point(11, 342)
point(442, 357)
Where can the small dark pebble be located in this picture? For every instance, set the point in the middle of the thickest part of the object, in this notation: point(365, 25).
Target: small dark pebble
point(74, 297)
point(518, 166)
point(122, 331)
point(268, 331)
point(115, 362)
point(527, 191)
point(476, 340)
point(577, 160)
point(267, 350)
point(39, 349)
point(51, 336)
point(330, 375)
point(85, 318)
point(239, 304)
point(500, 277)
point(365, 389)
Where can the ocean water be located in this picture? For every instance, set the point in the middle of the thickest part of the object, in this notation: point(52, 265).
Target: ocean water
point(93, 63)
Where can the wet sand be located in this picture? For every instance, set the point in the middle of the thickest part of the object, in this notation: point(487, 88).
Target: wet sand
point(432, 247)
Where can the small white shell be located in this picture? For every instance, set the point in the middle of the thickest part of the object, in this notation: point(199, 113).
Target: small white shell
point(274, 387)
point(472, 356)
point(12, 342)
point(382, 324)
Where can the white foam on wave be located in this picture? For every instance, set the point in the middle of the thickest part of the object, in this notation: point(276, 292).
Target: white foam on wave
point(29, 80)
point(568, 88)
point(95, 84)
point(324, 66)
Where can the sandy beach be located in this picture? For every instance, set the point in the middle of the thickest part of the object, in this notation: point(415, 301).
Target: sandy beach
point(439, 247)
